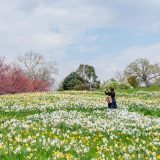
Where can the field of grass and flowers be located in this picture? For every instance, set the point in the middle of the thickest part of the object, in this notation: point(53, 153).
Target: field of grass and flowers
point(78, 126)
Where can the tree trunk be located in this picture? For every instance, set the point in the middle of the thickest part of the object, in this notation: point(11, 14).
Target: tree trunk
point(146, 82)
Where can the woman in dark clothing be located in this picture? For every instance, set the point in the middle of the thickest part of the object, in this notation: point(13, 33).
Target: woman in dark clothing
point(109, 99)
point(112, 103)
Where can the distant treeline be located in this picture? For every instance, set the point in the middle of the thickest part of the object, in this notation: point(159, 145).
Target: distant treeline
point(32, 73)
point(137, 74)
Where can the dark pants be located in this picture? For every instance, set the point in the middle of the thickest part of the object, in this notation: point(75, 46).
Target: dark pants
point(113, 104)
point(109, 105)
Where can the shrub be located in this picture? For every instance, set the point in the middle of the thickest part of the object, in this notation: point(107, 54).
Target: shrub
point(133, 81)
point(115, 85)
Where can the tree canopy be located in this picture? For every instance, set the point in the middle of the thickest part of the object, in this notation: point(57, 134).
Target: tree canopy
point(84, 78)
point(88, 73)
point(143, 70)
point(73, 82)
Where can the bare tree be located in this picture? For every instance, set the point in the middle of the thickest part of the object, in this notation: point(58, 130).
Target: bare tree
point(119, 75)
point(3, 66)
point(36, 67)
point(143, 70)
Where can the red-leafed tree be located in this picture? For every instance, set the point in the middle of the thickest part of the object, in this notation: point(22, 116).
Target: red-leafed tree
point(13, 80)
point(40, 85)
point(19, 82)
point(4, 79)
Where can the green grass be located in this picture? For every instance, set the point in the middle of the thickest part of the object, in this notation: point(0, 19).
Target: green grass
point(155, 112)
point(76, 134)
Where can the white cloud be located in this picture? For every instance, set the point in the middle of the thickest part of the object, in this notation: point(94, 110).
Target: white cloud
point(51, 26)
point(29, 24)
point(33, 29)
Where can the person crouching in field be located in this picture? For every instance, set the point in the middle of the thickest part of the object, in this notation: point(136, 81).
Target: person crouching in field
point(111, 98)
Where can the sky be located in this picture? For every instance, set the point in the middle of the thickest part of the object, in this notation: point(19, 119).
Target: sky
point(106, 34)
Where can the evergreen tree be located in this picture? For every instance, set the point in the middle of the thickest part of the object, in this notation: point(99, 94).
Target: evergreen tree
point(73, 82)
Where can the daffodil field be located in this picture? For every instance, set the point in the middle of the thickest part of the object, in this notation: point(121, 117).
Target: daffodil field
point(78, 126)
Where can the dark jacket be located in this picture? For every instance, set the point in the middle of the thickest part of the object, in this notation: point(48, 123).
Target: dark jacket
point(112, 94)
